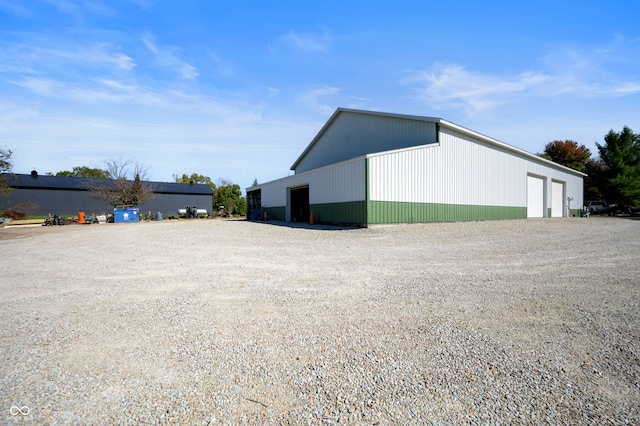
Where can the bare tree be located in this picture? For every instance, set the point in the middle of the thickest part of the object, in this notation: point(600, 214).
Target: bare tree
point(5, 167)
point(128, 185)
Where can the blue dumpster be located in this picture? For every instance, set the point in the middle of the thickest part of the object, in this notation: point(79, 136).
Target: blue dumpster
point(126, 214)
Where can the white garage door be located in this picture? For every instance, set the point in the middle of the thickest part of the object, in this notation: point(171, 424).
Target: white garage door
point(535, 197)
point(557, 198)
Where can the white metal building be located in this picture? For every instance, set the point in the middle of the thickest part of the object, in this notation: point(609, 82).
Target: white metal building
point(368, 167)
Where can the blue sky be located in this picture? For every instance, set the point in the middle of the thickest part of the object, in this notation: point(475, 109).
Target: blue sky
point(237, 90)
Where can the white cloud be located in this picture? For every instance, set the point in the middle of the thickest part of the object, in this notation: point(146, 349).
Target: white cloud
point(143, 4)
point(308, 42)
point(595, 71)
point(38, 57)
point(624, 89)
point(188, 71)
point(96, 91)
point(315, 99)
point(99, 54)
point(167, 57)
point(221, 67)
point(447, 86)
point(149, 44)
point(273, 91)
point(65, 6)
point(77, 8)
point(40, 86)
point(569, 72)
point(16, 9)
point(12, 112)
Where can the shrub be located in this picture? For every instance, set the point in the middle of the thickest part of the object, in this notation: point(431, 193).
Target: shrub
point(13, 214)
point(19, 211)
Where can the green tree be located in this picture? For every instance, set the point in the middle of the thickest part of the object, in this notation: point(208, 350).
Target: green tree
point(195, 179)
point(86, 172)
point(619, 181)
point(229, 196)
point(5, 167)
point(594, 170)
point(568, 153)
point(578, 157)
point(241, 206)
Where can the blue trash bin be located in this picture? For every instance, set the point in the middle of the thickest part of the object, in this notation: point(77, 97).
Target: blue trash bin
point(126, 214)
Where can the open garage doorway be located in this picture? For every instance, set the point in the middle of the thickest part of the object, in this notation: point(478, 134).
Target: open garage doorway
point(254, 204)
point(299, 204)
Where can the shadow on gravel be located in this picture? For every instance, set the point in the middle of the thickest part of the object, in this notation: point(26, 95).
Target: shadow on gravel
point(627, 217)
point(304, 225)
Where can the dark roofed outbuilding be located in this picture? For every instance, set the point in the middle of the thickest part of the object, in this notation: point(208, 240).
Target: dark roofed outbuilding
point(64, 195)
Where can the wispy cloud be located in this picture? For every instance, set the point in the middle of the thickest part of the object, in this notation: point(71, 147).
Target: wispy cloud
point(315, 99)
point(220, 66)
point(567, 72)
point(77, 8)
point(142, 3)
point(272, 91)
point(39, 86)
point(447, 86)
point(38, 56)
point(108, 91)
point(146, 40)
point(595, 71)
point(65, 6)
point(308, 42)
point(167, 57)
point(100, 54)
point(15, 9)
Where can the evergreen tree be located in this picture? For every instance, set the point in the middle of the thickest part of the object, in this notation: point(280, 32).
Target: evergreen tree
point(620, 178)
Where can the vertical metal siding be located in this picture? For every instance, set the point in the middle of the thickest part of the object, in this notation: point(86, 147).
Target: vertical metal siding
point(343, 182)
point(70, 202)
point(56, 201)
point(170, 203)
point(353, 135)
point(461, 171)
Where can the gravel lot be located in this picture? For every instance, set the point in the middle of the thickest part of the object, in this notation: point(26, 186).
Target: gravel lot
point(233, 322)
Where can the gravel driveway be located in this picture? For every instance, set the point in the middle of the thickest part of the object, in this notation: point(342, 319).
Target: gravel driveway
point(233, 322)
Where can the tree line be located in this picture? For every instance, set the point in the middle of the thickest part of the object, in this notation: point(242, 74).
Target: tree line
point(125, 183)
point(227, 196)
point(614, 176)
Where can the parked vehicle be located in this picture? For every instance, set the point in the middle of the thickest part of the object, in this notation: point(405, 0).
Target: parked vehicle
point(600, 207)
point(597, 206)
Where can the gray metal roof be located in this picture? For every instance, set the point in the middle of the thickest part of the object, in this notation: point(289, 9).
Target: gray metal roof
point(81, 184)
point(438, 121)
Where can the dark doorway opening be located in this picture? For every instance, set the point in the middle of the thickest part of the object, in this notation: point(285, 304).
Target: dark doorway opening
point(254, 204)
point(299, 204)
